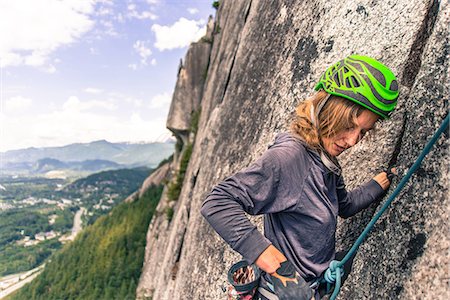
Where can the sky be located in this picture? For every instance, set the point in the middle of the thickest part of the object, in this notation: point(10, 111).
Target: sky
point(76, 71)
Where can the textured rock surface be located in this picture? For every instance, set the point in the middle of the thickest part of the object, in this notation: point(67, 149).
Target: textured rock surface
point(162, 235)
point(156, 178)
point(265, 59)
point(189, 87)
point(408, 253)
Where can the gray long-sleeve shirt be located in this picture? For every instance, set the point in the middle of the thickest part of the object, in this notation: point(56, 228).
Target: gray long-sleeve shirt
point(300, 199)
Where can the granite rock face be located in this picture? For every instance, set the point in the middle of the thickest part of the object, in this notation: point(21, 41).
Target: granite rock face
point(189, 87)
point(185, 104)
point(265, 59)
point(156, 178)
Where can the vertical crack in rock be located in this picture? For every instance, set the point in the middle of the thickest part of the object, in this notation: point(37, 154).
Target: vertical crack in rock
point(175, 266)
point(235, 53)
point(247, 12)
point(414, 61)
point(398, 145)
point(194, 180)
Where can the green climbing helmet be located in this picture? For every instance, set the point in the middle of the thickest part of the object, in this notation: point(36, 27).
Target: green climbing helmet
point(363, 80)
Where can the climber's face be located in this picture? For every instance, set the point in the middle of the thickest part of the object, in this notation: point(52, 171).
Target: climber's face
point(351, 136)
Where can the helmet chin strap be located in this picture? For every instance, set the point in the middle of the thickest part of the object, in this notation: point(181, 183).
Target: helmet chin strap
point(329, 162)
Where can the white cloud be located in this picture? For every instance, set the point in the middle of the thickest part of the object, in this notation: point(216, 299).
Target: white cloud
point(134, 13)
point(135, 101)
point(146, 15)
point(91, 90)
point(108, 28)
point(17, 103)
point(133, 67)
point(50, 69)
point(62, 127)
point(104, 11)
point(178, 35)
point(144, 52)
point(160, 100)
point(193, 11)
point(37, 58)
point(39, 28)
point(73, 104)
point(84, 120)
point(120, 18)
point(94, 51)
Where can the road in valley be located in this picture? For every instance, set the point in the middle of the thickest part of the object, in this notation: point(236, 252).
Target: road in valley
point(77, 223)
point(14, 282)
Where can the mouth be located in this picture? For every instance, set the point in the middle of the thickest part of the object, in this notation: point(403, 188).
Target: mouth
point(339, 148)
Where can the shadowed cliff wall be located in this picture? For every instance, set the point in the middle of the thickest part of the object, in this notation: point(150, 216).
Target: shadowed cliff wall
point(266, 57)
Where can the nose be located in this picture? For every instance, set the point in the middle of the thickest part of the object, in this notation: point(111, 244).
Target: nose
point(352, 138)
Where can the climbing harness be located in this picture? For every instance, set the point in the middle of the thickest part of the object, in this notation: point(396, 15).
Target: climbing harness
point(333, 273)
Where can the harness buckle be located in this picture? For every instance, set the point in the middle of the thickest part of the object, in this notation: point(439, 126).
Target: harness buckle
point(315, 284)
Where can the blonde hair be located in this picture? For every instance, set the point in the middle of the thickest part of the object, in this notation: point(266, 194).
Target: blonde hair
point(337, 114)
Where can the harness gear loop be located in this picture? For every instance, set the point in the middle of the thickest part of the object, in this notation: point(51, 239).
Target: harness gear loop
point(335, 265)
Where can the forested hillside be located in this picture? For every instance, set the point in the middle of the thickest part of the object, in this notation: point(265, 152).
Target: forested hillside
point(104, 261)
point(101, 191)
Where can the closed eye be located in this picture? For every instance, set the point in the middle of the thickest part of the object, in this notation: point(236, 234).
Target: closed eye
point(365, 131)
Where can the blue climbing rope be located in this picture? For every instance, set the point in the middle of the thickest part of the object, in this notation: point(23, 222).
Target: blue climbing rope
point(334, 272)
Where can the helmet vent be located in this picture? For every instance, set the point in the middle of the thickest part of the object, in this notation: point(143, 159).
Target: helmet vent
point(394, 85)
point(355, 82)
point(347, 82)
point(377, 74)
point(336, 79)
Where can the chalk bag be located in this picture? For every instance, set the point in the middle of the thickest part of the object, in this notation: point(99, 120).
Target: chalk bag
point(243, 281)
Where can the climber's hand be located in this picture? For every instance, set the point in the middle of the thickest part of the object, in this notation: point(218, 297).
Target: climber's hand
point(270, 259)
point(384, 178)
point(289, 285)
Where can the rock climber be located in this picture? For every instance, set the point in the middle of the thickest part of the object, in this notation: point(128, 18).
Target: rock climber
point(297, 182)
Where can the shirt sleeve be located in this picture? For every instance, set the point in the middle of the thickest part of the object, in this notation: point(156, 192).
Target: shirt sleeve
point(350, 203)
point(254, 191)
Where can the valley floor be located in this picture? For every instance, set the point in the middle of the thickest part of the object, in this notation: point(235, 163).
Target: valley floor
point(12, 283)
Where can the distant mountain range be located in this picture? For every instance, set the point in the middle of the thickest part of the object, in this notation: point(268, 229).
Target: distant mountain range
point(90, 157)
point(49, 164)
